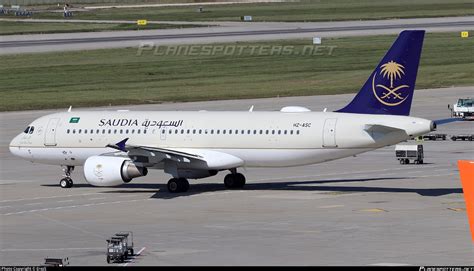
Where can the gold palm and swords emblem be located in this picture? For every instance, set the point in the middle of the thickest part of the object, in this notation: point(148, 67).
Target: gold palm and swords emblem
point(392, 71)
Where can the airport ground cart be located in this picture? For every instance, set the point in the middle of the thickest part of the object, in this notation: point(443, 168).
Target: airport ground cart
point(56, 262)
point(116, 249)
point(128, 239)
point(434, 137)
point(405, 153)
point(462, 137)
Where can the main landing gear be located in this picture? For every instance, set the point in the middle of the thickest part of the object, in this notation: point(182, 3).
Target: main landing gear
point(66, 182)
point(231, 181)
point(177, 185)
point(234, 180)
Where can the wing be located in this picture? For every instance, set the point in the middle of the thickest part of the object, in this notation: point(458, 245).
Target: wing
point(189, 158)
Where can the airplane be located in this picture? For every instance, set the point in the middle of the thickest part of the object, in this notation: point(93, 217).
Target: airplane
point(195, 145)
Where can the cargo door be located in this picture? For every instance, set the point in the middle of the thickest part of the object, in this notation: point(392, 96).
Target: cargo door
point(329, 133)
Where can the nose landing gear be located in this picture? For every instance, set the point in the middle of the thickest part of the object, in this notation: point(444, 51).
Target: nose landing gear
point(66, 182)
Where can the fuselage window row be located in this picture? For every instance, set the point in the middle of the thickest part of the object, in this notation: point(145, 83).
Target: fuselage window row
point(183, 131)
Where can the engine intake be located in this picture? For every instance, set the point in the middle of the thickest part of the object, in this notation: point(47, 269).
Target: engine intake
point(111, 171)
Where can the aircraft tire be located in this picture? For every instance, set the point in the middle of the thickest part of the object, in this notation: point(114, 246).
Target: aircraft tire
point(176, 185)
point(184, 185)
point(229, 181)
point(65, 183)
point(173, 185)
point(240, 180)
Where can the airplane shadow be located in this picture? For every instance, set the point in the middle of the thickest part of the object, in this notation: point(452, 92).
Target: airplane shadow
point(315, 185)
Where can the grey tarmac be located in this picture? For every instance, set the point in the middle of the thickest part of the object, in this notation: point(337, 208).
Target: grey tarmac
point(364, 210)
point(225, 32)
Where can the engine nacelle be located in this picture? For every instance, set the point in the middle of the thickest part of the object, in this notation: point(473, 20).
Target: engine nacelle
point(111, 171)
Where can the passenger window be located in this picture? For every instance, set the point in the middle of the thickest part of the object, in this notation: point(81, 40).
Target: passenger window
point(273, 132)
point(248, 132)
point(110, 131)
point(144, 131)
point(200, 131)
point(298, 132)
point(223, 132)
point(279, 132)
point(68, 131)
point(243, 132)
point(254, 132)
point(194, 131)
point(291, 132)
point(162, 131)
point(266, 132)
point(79, 131)
point(212, 131)
point(133, 131)
point(218, 131)
point(182, 131)
point(103, 131)
point(236, 132)
point(188, 131)
point(85, 131)
point(261, 132)
point(126, 131)
point(139, 131)
point(74, 131)
point(176, 131)
point(115, 131)
point(92, 131)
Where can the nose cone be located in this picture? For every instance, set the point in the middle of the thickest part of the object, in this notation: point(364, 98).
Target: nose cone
point(15, 146)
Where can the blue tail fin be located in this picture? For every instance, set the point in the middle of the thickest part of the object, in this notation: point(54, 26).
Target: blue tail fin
point(389, 90)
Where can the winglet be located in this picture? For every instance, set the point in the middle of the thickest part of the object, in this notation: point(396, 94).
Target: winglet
point(119, 146)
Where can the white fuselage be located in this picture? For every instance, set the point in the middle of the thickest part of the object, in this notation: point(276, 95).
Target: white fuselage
point(260, 139)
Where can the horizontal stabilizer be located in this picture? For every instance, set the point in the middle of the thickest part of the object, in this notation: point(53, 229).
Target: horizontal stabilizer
point(446, 121)
point(378, 128)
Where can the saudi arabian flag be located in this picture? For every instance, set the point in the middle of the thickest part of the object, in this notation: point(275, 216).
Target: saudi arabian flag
point(74, 120)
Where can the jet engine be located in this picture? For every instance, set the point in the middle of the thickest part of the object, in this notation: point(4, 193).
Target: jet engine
point(111, 171)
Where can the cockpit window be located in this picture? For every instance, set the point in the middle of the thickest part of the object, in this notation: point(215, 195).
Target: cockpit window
point(27, 130)
point(32, 129)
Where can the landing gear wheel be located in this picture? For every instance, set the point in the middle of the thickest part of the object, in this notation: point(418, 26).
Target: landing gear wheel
point(240, 180)
point(229, 181)
point(236, 180)
point(66, 183)
point(108, 259)
point(177, 185)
